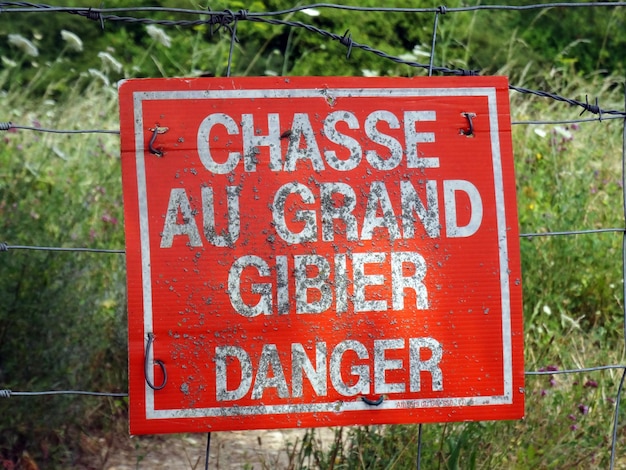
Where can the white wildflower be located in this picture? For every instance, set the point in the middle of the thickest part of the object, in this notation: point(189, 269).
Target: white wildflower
point(540, 132)
point(421, 51)
point(110, 62)
point(8, 62)
point(23, 44)
point(567, 135)
point(547, 310)
point(370, 73)
point(73, 41)
point(97, 74)
point(310, 11)
point(271, 73)
point(158, 35)
point(408, 57)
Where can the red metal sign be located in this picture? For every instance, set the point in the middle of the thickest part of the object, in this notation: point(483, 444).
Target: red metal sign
point(320, 251)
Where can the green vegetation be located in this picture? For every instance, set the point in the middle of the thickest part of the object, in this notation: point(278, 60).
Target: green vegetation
point(62, 315)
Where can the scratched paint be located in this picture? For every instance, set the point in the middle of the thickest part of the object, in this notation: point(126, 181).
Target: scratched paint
point(320, 251)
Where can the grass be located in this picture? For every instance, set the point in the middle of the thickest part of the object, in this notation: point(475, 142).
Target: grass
point(62, 318)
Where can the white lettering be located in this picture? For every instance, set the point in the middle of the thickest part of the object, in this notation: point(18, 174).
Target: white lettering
point(450, 188)
point(361, 371)
point(264, 305)
point(309, 231)
point(301, 127)
point(222, 355)
point(431, 365)
point(204, 146)
point(332, 134)
point(208, 213)
point(413, 138)
point(382, 365)
point(270, 360)
point(179, 202)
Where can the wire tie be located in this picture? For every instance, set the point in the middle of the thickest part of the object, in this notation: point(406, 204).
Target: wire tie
point(376, 402)
point(156, 131)
point(470, 122)
point(5, 393)
point(346, 40)
point(4, 247)
point(156, 361)
point(442, 9)
point(5, 126)
point(242, 14)
point(95, 16)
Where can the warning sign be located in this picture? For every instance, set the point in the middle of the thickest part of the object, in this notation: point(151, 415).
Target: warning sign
point(320, 251)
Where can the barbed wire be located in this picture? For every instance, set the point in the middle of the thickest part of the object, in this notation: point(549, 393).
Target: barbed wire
point(29, 7)
point(229, 19)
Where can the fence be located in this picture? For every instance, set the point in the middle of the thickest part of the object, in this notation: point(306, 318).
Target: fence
point(227, 21)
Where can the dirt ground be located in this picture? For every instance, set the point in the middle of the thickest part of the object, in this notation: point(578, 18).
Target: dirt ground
point(267, 449)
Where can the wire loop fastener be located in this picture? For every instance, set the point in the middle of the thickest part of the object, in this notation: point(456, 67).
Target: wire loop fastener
point(376, 402)
point(4, 247)
point(157, 362)
point(156, 131)
point(5, 126)
point(5, 393)
point(470, 131)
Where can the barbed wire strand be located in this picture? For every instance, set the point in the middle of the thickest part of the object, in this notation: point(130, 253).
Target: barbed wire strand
point(29, 7)
point(227, 17)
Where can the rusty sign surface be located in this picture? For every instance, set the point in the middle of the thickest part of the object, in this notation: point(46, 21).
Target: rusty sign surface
point(320, 251)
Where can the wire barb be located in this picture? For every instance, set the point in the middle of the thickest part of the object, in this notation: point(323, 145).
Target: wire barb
point(346, 40)
point(592, 108)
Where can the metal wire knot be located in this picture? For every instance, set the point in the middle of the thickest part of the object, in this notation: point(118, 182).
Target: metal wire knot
point(346, 40)
point(592, 108)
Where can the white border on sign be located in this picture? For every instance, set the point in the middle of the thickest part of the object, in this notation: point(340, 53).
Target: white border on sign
point(489, 92)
